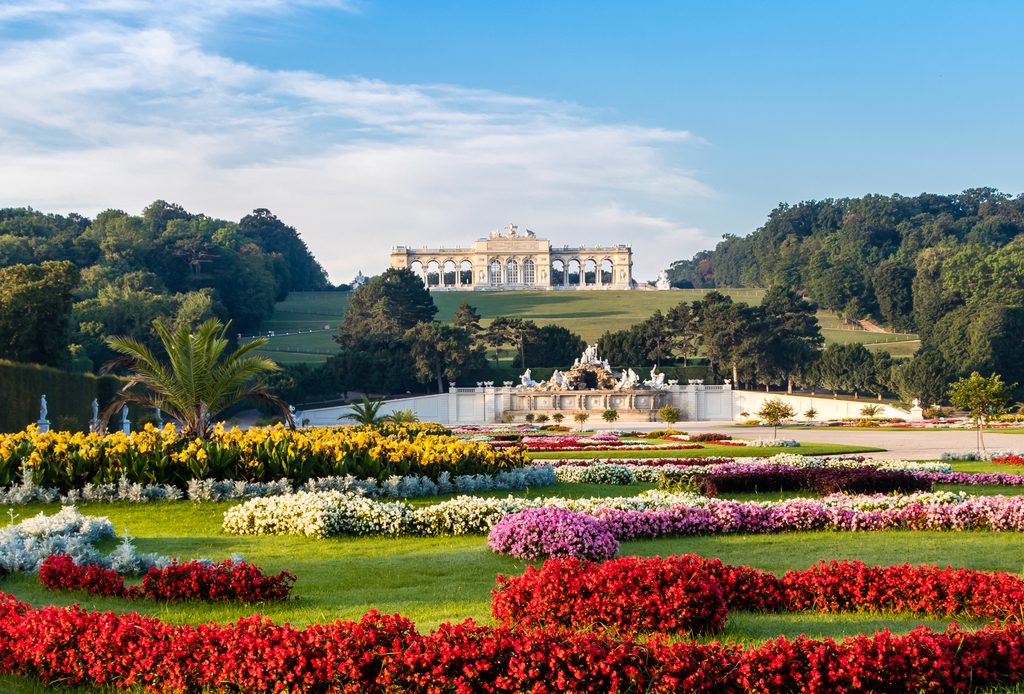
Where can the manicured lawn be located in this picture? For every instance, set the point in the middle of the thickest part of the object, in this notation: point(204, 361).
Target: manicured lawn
point(432, 580)
point(711, 450)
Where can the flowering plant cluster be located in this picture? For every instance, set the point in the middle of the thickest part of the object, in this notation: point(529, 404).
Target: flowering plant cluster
point(71, 646)
point(325, 514)
point(710, 436)
point(761, 473)
point(539, 533)
point(195, 580)
point(1008, 459)
point(69, 461)
point(594, 442)
point(651, 514)
point(691, 594)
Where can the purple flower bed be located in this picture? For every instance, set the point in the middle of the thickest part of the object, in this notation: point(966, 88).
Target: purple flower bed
point(539, 533)
point(997, 513)
point(969, 478)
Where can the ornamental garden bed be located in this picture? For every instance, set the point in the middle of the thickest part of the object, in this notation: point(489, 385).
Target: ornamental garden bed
point(431, 580)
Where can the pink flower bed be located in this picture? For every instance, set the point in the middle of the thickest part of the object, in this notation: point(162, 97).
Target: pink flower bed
point(539, 533)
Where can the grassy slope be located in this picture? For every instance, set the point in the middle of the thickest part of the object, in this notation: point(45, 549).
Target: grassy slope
point(587, 313)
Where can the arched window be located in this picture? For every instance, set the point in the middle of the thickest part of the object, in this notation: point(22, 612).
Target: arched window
point(590, 272)
point(465, 272)
point(494, 278)
point(607, 271)
point(529, 272)
point(512, 272)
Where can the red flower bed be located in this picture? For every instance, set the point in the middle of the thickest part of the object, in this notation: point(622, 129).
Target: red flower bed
point(710, 437)
point(178, 582)
point(70, 646)
point(821, 481)
point(639, 594)
point(1008, 460)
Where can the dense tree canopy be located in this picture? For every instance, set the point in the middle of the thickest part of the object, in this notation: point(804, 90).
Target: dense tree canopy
point(164, 263)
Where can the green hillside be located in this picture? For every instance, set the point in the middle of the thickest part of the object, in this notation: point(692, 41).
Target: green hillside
point(588, 313)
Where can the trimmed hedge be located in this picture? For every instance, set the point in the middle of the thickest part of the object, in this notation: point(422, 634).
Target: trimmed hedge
point(69, 396)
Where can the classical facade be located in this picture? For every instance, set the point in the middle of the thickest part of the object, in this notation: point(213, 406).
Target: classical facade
point(516, 259)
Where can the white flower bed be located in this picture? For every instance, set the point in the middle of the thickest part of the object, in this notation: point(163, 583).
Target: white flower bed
point(980, 456)
point(324, 514)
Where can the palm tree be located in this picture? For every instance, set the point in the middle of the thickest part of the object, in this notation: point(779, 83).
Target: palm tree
point(196, 382)
point(402, 417)
point(365, 412)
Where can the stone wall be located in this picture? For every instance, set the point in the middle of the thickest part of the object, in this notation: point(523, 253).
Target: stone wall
point(487, 404)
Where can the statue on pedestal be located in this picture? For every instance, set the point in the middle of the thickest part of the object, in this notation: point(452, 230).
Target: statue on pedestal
point(43, 411)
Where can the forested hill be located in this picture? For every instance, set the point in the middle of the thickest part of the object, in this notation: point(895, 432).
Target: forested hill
point(119, 271)
point(919, 263)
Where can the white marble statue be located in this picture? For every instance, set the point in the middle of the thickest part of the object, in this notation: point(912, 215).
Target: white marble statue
point(628, 381)
point(95, 410)
point(43, 411)
point(526, 380)
point(657, 380)
point(662, 282)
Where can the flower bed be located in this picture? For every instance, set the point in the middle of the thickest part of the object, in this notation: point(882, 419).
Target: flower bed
point(69, 461)
point(691, 594)
point(195, 580)
point(783, 471)
point(1008, 460)
point(539, 533)
point(820, 480)
point(72, 646)
point(648, 515)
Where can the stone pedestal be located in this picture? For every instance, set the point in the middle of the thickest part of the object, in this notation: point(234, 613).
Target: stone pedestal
point(43, 425)
point(916, 414)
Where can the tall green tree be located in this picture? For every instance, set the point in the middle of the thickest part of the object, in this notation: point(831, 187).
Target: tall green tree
point(517, 332)
point(35, 308)
point(383, 309)
point(795, 337)
point(440, 352)
point(925, 377)
point(984, 397)
point(196, 379)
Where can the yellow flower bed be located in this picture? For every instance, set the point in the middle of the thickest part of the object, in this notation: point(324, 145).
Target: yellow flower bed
point(69, 460)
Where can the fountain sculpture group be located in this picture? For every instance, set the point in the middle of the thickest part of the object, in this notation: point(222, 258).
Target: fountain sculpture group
point(592, 384)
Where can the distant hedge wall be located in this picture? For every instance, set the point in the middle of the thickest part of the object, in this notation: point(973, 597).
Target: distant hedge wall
point(68, 396)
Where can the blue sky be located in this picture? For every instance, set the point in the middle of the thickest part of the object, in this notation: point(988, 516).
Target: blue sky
point(376, 122)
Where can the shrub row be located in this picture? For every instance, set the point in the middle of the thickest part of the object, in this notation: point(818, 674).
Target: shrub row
point(71, 646)
point(691, 594)
point(68, 461)
point(195, 580)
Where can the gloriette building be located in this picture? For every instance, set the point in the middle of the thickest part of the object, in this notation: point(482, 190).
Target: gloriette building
point(516, 259)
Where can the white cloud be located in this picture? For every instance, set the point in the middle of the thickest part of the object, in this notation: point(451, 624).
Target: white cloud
point(110, 114)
